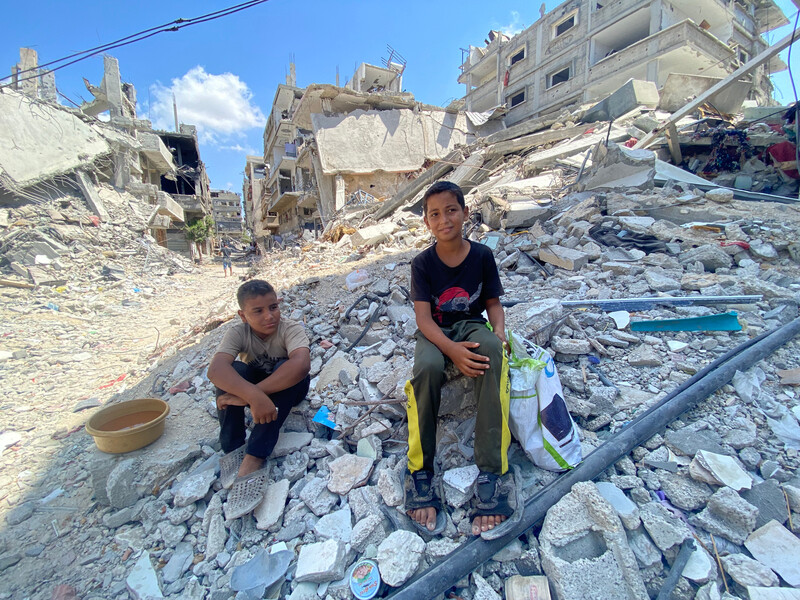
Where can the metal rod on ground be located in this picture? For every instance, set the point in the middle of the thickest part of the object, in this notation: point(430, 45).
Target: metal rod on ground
point(440, 577)
point(677, 568)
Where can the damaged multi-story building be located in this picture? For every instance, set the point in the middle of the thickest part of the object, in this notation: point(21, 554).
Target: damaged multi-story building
point(327, 147)
point(227, 213)
point(585, 49)
point(80, 151)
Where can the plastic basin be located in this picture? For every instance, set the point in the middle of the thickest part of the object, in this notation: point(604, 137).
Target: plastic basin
point(128, 426)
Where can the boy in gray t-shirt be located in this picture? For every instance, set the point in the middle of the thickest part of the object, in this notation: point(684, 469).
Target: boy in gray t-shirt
point(271, 378)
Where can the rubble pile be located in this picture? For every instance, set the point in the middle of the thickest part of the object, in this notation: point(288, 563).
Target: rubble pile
point(726, 469)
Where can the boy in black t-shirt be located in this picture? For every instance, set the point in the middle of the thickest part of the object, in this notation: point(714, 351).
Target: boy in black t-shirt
point(452, 283)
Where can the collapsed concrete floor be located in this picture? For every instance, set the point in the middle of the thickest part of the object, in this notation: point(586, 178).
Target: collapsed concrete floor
point(151, 523)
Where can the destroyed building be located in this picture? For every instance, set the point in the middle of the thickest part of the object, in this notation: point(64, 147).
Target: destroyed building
point(585, 49)
point(227, 212)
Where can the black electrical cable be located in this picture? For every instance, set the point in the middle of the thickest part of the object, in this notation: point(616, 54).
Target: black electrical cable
point(136, 37)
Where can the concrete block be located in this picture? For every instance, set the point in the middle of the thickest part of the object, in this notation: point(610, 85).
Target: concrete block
point(90, 194)
point(566, 258)
point(633, 93)
point(728, 515)
point(120, 488)
point(399, 556)
point(585, 553)
point(370, 235)
point(321, 562)
point(776, 547)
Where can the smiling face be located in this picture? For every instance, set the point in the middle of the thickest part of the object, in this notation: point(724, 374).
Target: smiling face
point(444, 216)
point(262, 313)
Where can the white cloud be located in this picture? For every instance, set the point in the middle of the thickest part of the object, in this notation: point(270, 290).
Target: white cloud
point(221, 106)
point(240, 149)
point(514, 27)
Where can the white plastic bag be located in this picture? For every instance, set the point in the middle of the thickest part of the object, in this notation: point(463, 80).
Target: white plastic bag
point(538, 415)
point(356, 279)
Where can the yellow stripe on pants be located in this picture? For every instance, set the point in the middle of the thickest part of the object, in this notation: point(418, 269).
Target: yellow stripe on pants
point(505, 403)
point(414, 438)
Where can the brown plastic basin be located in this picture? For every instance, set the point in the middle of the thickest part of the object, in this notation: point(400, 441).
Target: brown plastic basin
point(129, 425)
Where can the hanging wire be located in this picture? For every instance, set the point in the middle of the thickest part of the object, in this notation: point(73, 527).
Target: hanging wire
point(136, 37)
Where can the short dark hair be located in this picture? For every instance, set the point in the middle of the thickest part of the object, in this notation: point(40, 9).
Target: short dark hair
point(253, 289)
point(440, 187)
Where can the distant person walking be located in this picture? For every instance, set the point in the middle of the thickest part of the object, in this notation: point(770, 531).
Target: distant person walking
point(225, 250)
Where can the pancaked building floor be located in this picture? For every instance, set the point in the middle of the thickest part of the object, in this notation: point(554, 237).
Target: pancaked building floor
point(571, 234)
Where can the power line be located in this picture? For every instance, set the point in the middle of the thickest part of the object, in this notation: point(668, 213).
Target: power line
point(175, 25)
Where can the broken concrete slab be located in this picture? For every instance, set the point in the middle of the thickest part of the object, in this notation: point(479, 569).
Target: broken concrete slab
point(321, 562)
point(624, 99)
point(269, 513)
point(348, 472)
point(565, 258)
point(776, 547)
point(728, 515)
point(142, 582)
point(584, 549)
point(399, 556)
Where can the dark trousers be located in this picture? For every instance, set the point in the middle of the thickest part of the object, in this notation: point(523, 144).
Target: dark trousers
point(424, 392)
point(263, 437)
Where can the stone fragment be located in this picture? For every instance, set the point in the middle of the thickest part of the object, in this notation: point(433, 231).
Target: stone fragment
point(664, 528)
point(565, 258)
point(142, 582)
point(321, 562)
point(571, 346)
point(317, 498)
point(682, 491)
point(120, 486)
point(337, 525)
point(179, 562)
point(483, 591)
point(659, 282)
point(459, 485)
point(728, 515)
point(686, 442)
point(645, 551)
point(194, 487)
point(399, 556)
point(776, 547)
point(719, 469)
point(171, 534)
point(584, 551)
point(645, 356)
point(270, 511)
point(768, 498)
point(364, 501)
point(369, 530)
point(746, 571)
point(347, 472)
point(290, 442)
point(700, 567)
point(626, 510)
point(390, 487)
point(720, 195)
point(330, 372)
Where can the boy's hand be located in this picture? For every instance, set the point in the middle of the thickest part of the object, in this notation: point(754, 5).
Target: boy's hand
point(230, 400)
point(467, 361)
point(263, 410)
point(502, 337)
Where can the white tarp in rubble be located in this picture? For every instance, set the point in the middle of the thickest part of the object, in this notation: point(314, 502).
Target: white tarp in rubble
point(394, 141)
point(39, 141)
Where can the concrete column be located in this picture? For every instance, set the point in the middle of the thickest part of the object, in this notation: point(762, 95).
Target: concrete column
point(341, 198)
point(655, 16)
point(48, 89)
point(112, 85)
point(28, 62)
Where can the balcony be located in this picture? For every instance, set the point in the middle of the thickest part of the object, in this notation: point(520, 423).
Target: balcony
point(168, 207)
point(189, 203)
point(681, 48)
point(483, 98)
point(285, 200)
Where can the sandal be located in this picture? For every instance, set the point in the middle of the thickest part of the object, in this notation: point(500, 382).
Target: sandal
point(499, 495)
point(419, 492)
point(247, 493)
point(229, 466)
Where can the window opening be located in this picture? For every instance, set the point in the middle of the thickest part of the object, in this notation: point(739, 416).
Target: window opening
point(517, 99)
point(565, 26)
point(518, 56)
point(559, 77)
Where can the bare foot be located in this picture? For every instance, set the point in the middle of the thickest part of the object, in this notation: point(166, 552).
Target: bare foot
point(485, 523)
point(249, 464)
point(424, 516)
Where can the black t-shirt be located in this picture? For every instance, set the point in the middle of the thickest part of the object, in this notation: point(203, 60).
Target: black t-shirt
point(226, 252)
point(455, 293)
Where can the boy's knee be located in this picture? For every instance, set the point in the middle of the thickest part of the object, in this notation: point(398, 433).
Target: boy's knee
point(432, 368)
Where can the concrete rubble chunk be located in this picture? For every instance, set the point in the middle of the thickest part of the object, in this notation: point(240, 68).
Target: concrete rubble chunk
point(290, 442)
point(317, 497)
point(268, 514)
point(330, 372)
point(711, 257)
point(631, 94)
point(664, 528)
point(142, 582)
point(645, 356)
point(337, 525)
point(390, 487)
point(564, 258)
point(459, 485)
point(777, 548)
point(348, 472)
point(686, 442)
point(483, 591)
point(584, 551)
point(728, 515)
point(684, 492)
point(768, 498)
point(700, 567)
point(643, 548)
point(626, 509)
point(194, 487)
point(179, 562)
point(399, 556)
point(719, 469)
point(748, 572)
point(321, 562)
point(121, 490)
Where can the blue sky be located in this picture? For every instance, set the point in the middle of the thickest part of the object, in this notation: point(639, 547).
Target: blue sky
point(225, 72)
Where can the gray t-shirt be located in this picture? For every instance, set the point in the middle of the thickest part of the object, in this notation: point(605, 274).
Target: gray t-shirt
point(240, 341)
